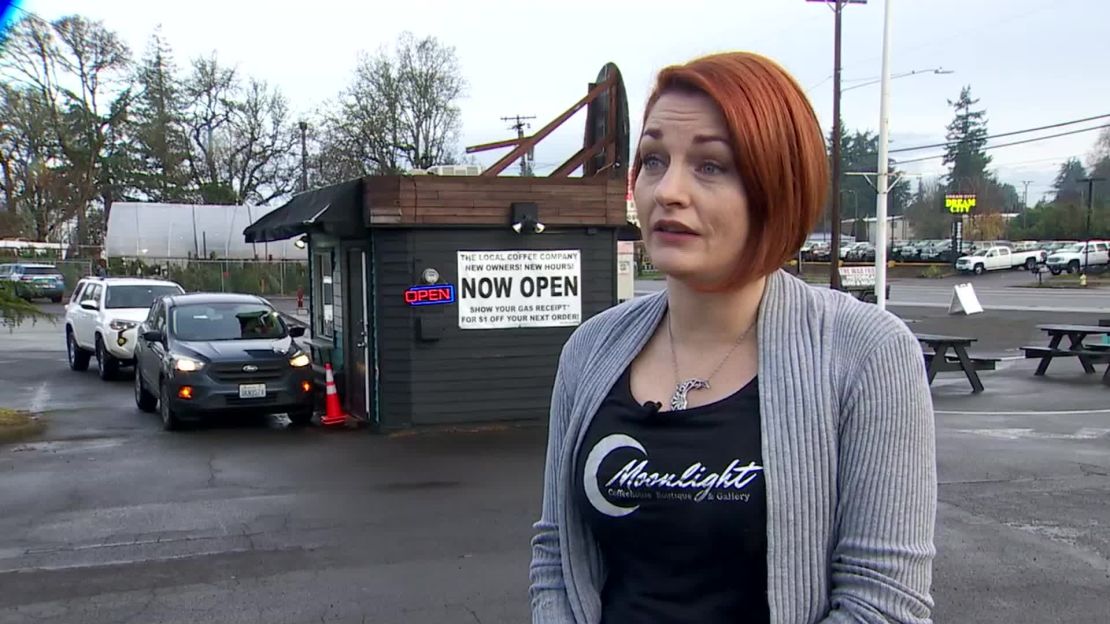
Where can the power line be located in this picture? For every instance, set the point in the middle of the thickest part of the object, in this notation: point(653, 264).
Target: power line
point(1022, 142)
point(1004, 134)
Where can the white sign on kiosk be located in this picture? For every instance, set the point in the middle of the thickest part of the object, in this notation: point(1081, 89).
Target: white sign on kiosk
point(964, 300)
point(516, 289)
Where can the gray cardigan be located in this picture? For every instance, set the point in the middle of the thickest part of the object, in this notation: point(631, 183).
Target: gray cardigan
point(848, 448)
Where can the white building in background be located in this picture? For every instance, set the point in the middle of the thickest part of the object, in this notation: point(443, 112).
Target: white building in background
point(898, 228)
point(180, 231)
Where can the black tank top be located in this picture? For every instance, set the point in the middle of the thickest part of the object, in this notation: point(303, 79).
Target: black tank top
point(677, 503)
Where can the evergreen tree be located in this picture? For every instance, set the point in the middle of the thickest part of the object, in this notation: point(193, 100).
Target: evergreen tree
point(1069, 190)
point(967, 136)
point(160, 145)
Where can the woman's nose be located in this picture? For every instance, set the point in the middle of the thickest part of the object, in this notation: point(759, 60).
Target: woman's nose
point(673, 187)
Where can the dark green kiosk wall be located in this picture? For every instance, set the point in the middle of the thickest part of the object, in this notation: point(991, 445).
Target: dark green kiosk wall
point(431, 372)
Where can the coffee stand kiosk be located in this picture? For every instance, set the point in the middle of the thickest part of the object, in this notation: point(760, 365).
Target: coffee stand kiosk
point(446, 299)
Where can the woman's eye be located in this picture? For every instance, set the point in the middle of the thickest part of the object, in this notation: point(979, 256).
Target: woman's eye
point(652, 160)
point(712, 168)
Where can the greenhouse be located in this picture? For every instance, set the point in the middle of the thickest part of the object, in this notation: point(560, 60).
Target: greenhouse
point(157, 232)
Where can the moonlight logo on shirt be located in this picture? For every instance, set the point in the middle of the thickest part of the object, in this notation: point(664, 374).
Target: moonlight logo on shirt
point(635, 481)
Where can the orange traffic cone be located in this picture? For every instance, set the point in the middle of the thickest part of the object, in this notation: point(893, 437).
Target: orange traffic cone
point(333, 412)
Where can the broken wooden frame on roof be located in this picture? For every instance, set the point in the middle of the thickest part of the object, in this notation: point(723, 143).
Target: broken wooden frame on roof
point(597, 198)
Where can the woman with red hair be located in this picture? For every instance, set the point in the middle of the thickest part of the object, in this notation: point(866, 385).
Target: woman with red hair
point(739, 447)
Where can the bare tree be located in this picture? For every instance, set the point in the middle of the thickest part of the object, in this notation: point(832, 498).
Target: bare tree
point(430, 83)
point(37, 189)
point(79, 69)
point(262, 165)
point(241, 139)
point(399, 111)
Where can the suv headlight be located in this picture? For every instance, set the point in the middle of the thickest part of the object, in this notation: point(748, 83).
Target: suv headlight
point(187, 365)
point(300, 360)
point(122, 325)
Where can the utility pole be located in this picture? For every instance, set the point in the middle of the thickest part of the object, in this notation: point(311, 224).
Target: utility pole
point(1090, 208)
point(883, 182)
point(1025, 204)
point(519, 125)
point(304, 156)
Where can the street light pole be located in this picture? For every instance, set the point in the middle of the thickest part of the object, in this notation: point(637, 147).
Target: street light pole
point(834, 242)
point(1025, 205)
point(1090, 208)
point(883, 182)
point(304, 157)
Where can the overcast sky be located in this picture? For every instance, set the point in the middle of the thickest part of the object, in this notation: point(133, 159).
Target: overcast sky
point(1031, 62)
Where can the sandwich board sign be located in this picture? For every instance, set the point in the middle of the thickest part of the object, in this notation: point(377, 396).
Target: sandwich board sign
point(964, 300)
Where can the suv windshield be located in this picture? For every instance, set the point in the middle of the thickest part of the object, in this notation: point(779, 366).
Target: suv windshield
point(39, 271)
point(137, 296)
point(226, 321)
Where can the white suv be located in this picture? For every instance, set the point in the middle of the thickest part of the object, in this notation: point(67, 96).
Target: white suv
point(101, 318)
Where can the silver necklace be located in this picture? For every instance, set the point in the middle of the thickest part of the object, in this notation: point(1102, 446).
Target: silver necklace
point(683, 388)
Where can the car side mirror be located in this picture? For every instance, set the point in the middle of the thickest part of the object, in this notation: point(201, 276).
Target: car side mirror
point(90, 305)
point(296, 331)
point(153, 335)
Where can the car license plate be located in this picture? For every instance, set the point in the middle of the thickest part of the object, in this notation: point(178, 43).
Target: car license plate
point(252, 391)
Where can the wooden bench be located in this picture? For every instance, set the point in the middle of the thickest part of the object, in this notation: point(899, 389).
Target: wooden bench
point(980, 363)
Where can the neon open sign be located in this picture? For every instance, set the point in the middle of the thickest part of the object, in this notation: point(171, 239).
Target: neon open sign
point(436, 294)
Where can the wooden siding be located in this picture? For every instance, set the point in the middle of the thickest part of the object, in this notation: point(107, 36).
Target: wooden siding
point(475, 201)
point(469, 376)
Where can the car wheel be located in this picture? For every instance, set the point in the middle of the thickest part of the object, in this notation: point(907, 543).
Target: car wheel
point(170, 421)
point(78, 357)
point(106, 364)
point(1030, 263)
point(301, 417)
point(145, 401)
point(1073, 266)
point(1054, 271)
point(979, 269)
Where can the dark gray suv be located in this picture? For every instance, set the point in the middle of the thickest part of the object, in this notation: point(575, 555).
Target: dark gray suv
point(200, 354)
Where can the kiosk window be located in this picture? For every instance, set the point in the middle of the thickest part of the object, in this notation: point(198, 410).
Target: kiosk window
point(323, 296)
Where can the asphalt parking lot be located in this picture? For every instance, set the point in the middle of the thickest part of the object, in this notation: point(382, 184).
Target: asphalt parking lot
point(109, 519)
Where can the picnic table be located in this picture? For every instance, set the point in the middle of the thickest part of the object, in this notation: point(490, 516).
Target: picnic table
point(1088, 354)
point(938, 360)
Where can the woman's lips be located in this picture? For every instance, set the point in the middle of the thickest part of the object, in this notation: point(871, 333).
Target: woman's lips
point(673, 238)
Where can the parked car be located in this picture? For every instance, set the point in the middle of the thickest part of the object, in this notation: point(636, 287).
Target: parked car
point(202, 354)
point(999, 257)
point(821, 252)
point(34, 281)
point(101, 318)
point(861, 252)
point(1076, 256)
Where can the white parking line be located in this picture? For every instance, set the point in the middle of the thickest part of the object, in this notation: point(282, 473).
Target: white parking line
point(1022, 413)
point(1086, 433)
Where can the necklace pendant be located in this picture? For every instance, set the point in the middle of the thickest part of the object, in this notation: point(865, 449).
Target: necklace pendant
point(678, 399)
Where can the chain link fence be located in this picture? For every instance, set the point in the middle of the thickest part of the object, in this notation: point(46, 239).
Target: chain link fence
point(255, 277)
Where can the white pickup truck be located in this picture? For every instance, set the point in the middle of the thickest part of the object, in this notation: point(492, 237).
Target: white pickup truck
point(1071, 258)
point(999, 257)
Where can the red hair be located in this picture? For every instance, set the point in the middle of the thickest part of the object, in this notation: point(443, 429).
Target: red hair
point(777, 146)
